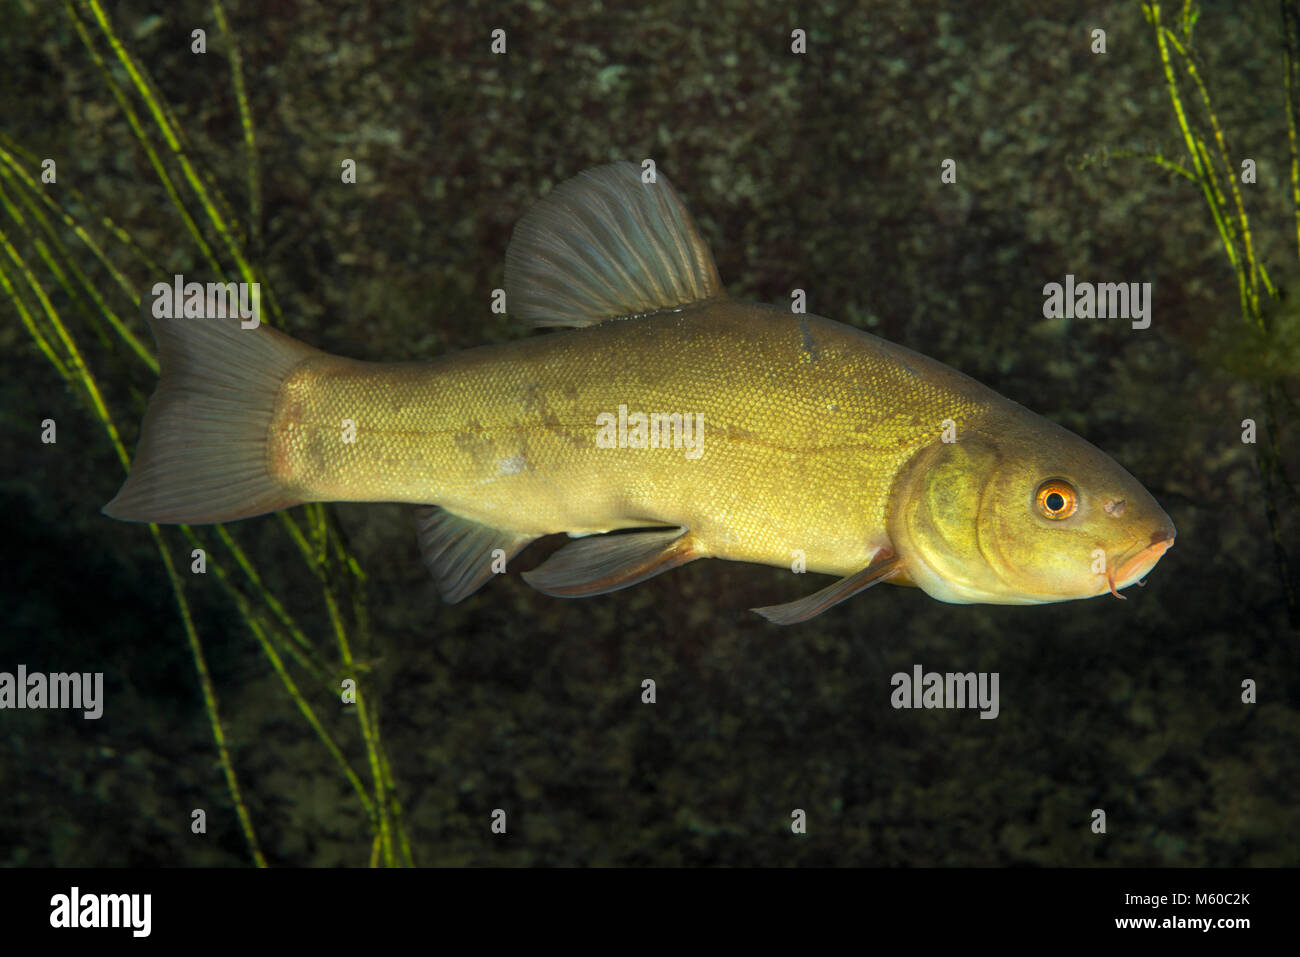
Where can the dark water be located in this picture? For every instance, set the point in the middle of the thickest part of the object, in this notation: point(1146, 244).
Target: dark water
point(820, 172)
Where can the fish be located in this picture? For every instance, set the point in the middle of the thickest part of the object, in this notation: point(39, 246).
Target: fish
point(663, 422)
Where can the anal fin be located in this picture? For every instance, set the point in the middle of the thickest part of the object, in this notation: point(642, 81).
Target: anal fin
point(459, 551)
point(883, 566)
point(605, 563)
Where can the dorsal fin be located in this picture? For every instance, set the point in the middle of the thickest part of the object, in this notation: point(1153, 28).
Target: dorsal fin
point(604, 244)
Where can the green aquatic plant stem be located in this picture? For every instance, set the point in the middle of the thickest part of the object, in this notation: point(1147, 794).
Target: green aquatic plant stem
point(212, 201)
point(210, 196)
point(315, 555)
point(1248, 253)
point(73, 367)
point(1290, 48)
point(1200, 159)
point(260, 632)
point(268, 597)
point(25, 315)
point(209, 700)
point(369, 730)
point(172, 140)
point(146, 144)
point(385, 801)
point(204, 212)
point(13, 157)
point(170, 131)
point(1253, 280)
point(245, 119)
point(398, 826)
point(137, 347)
point(102, 308)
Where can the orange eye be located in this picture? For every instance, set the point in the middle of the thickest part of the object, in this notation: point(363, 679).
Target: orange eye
point(1057, 499)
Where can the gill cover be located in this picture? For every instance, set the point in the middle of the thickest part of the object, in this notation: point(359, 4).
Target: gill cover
point(935, 524)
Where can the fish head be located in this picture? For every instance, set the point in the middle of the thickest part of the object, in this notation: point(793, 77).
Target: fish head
point(1025, 513)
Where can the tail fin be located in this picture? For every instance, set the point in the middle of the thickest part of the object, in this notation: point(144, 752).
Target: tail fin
point(202, 455)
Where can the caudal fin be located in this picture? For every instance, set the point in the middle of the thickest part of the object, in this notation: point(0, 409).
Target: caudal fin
point(202, 455)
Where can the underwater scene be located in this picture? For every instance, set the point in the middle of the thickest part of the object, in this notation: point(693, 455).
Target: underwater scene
point(669, 434)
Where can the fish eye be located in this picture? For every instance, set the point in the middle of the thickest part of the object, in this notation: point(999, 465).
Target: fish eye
point(1057, 499)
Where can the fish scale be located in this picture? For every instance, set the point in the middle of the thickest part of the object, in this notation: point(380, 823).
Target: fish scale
point(440, 431)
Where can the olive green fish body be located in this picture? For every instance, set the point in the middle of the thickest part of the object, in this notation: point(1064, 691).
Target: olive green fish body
point(725, 429)
point(795, 410)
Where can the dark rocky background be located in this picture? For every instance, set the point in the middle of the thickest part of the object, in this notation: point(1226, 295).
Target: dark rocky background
point(819, 172)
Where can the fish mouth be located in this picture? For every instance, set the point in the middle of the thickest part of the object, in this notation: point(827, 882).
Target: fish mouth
point(1132, 569)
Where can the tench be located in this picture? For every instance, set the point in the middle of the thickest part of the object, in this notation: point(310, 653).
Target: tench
point(715, 428)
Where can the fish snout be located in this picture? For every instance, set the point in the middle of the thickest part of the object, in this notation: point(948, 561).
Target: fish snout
point(1134, 564)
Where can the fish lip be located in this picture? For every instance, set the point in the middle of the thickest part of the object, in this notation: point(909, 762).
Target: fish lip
point(1139, 562)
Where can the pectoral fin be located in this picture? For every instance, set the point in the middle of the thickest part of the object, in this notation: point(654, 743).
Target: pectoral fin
point(605, 563)
point(884, 565)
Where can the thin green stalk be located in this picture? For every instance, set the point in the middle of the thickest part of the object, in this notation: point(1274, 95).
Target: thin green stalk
point(15, 157)
point(27, 187)
point(213, 196)
point(367, 720)
point(172, 139)
point(137, 128)
point(1200, 160)
point(1189, 64)
point(245, 120)
point(407, 858)
point(101, 307)
point(277, 664)
point(35, 212)
point(270, 600)
point(74, 367)
point(1251, 275)
point(369, 731)
point(1290, 46)
point(209, 700)
point(25, 314)
point(1160, 161)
